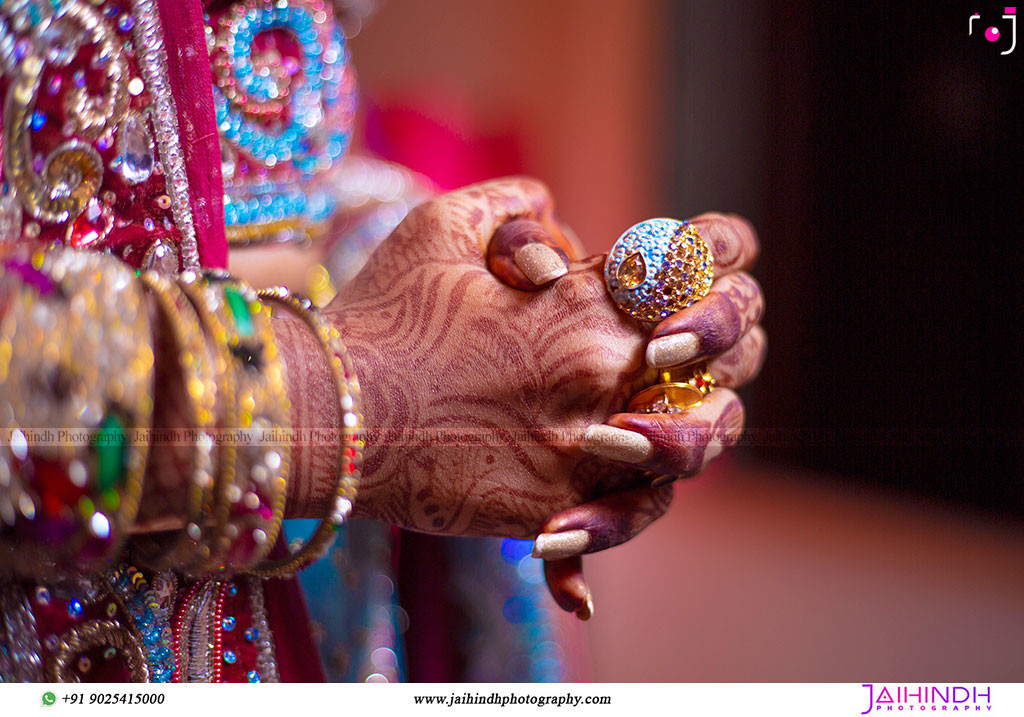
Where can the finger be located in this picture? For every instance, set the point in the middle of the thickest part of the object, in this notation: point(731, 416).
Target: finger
point(740, 365)
point(711, 326)
point(675, 444)
point(525, 256)
point(568, 587)
point(732, 240)
point(460, 224)
point(601, 523)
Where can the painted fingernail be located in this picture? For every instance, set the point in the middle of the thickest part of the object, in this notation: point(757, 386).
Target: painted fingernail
point(617, 444)
point(552, 546)
point(712, 451)
point(586, 610)
point(672, 349)
point(540, 263)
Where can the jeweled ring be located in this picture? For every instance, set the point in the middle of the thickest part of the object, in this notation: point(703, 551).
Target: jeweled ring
point(680, 389)
point(658, 267)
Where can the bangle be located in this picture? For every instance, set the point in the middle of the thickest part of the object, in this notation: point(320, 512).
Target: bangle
point(252, 503)
point(350, 449)
point(76, 369)
point(198, 373)
point(209, 533)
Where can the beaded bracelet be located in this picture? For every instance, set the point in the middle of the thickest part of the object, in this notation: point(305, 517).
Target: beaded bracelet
point(76, 370)
point(350, 450)
point(198, 372)
point(251, 506)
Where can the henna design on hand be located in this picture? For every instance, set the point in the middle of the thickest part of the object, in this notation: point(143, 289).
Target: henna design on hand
point(443, 346)
point(741, 364)
point(476, 395)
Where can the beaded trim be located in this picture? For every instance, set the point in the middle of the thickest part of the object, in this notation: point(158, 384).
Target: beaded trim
point(153, 61)
point(267, 660)
point(148, 622)
point(20, 641)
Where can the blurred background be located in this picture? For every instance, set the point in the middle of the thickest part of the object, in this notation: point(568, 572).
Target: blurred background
point(873, 527)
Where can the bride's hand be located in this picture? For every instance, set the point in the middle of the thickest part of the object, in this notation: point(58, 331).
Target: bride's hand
point(723, 330)
point(478, 397)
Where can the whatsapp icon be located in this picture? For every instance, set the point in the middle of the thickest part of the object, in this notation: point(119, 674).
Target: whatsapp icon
point(49, 698)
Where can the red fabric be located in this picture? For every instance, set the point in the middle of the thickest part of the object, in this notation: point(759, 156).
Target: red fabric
point(188, 67)
point(298, 659)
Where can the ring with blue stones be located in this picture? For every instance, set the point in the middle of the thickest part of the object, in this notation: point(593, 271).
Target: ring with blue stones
point(658, 267)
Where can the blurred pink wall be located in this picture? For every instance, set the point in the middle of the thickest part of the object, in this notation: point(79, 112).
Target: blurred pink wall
point(572, 84)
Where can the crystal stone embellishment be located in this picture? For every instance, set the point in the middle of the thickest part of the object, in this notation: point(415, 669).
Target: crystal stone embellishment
point(136, 147)
point(632, 271)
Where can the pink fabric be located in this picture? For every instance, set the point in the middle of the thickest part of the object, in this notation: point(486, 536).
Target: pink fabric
point(188, 66)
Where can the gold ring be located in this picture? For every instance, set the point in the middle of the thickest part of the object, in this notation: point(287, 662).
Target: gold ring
point(658, 267)
point(679, 389)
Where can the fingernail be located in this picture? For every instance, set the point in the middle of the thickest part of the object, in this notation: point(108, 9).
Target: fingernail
point(540, 263)
point(672, 349)
point(617, 444)
point(712, 451)
point(586, 610)
point(552, 546)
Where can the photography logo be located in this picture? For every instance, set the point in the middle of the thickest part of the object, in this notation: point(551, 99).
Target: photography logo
point(887, 698)
point(994, 33)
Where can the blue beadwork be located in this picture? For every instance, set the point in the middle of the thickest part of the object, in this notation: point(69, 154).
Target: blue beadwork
point(153, 622)
point(230, 657)
point(252, 634)
point(228, 623)
point(323, 70)
point(253, 676)
point(75, 608)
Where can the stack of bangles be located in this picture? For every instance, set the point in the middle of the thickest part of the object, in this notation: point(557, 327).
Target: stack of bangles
point(78, 375)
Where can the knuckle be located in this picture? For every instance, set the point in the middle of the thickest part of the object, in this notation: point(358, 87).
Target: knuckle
point(720, 324)
point(744, 293)
point(582, 289)
point(518, 196)
point(731, 417)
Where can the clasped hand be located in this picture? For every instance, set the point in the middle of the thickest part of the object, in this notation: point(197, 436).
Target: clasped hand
point(494, 410)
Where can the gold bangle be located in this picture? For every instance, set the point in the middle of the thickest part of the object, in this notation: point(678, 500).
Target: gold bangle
point(76, 368)
point(198, 373)
point(350, 449)
point(210, 540)
point(253, 503)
